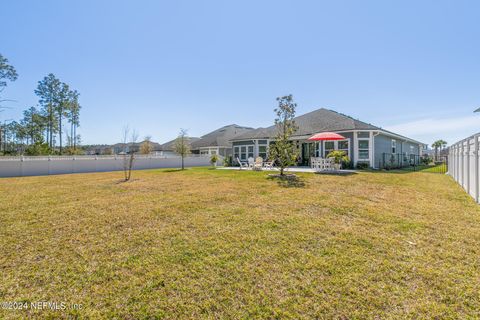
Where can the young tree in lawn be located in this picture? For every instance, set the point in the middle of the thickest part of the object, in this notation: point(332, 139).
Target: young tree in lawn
point(439, 144)
point(283, 150)
point(7, 72)
point(146, 147)
point(128, 140)
point(182, 146)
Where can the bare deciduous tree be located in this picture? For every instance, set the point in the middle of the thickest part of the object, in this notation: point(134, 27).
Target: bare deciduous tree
point(128, 140)
point(182, 145)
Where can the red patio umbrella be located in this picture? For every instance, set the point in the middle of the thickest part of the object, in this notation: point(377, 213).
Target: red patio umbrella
point(326, 136)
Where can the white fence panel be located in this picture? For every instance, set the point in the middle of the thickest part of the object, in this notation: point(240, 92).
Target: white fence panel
point(37, 166)
point(464, 164)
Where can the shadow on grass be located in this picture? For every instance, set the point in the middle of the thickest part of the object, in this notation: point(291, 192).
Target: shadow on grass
point(123, 181)
point(287, 180)
point(173, 170)
point(337, 173)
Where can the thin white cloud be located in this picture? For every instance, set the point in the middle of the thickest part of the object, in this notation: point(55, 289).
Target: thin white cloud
point(430, 129)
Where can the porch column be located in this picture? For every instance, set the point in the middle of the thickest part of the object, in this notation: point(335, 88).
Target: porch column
point(255, 149)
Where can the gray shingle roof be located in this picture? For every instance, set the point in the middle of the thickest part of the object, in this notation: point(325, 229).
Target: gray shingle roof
point(320, 120)
point(220, 137)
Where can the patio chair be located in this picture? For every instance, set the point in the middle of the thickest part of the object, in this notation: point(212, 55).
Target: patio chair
point(322, 165)
point(269, 164)
point(242, 164)
point(314, 162)
point(330, 164)
point(258, 164)
point(251, 162)
point(318, 164)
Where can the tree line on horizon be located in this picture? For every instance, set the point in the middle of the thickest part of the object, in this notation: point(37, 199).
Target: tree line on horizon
point(37, 132)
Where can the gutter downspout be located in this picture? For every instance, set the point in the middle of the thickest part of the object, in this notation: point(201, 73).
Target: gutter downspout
point(373, 148)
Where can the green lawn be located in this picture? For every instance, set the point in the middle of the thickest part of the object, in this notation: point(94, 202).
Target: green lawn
point(226, 244)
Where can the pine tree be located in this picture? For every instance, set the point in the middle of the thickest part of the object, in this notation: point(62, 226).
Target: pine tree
point(48, 90)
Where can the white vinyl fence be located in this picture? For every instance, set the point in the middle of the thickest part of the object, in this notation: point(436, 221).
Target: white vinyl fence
point(38, 166)
point(463, 164)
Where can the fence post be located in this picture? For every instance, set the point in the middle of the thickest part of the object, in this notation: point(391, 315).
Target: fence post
point(21, 165)
point(468, 166)
point(462, 163)
point(457, 163)
point(454, 163)
point(475, 172)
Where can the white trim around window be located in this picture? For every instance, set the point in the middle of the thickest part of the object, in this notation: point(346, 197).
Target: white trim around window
point(363, 149)
point(335, 147)
point(394, 146)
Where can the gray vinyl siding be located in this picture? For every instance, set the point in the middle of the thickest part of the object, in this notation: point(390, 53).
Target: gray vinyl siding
point(383, 144)
point(225, 152)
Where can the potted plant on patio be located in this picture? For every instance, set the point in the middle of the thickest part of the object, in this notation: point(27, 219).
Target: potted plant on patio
point(213, 160)
point(339, 158)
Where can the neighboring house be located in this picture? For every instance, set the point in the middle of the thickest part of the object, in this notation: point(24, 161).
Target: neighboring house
point(98, 149)
point(218, 141)
point(120, 148)
point(166, 149)
point(364, 143)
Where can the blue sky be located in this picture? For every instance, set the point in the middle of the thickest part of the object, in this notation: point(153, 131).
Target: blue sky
point(158, 66)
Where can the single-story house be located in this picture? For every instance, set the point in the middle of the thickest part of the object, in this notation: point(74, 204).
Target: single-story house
point(166, 149)
point(363, 143)
point(218, 141)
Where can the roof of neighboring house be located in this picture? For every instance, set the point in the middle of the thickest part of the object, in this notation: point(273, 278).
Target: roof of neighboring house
point(155, 146)
point(320, 120)
point(220, 137)
point(168, 146)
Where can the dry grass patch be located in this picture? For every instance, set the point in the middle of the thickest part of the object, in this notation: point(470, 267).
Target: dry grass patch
point(226, 244)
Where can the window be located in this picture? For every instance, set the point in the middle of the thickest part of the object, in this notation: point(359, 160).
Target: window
point(250, 151)
point(243, 153)
point(363, 149)
point(329, 146)
point(412, 149)
point(394, 146)
point(343, 146)
point(262, 151)
point(236, 153)
point(203, 152)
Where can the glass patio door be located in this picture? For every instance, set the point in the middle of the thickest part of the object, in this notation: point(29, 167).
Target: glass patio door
point(308, 151)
